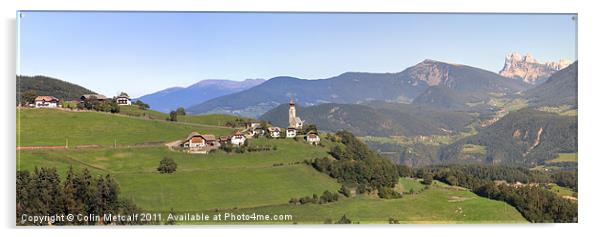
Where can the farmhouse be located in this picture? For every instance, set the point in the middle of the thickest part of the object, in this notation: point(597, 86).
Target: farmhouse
point(123, 99)
point(46, 101)
point(291, 132)
point(98, 97)
point(238, 138)
point(274, 132)
point(312, 138)
point(200, 143)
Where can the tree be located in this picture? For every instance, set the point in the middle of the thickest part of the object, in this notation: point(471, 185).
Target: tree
point(28, 97)
point(308, 128)
point(141, 105)
point(180, 111)
point(404, 171)
point(428, 179)
point(344, 220)
point(167, 165)
point(173, 116)
point(345, 191)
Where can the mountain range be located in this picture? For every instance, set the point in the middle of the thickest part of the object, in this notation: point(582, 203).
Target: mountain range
point(463, 83)
point(174, 97)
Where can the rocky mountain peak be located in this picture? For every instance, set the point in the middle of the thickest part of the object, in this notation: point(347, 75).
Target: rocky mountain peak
point(527, 69)
point(430, 71)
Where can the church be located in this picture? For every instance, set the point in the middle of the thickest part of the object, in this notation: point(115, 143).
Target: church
point(293, 120)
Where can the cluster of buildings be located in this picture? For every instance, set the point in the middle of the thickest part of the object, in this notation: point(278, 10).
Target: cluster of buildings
point(46, 101)
point(203, 143)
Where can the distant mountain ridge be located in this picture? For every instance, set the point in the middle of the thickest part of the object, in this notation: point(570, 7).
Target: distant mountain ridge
point(174, 97)
point(559, 89)
point(375, 119)
point(357, 87)
point(527, 69)
point(43, 85)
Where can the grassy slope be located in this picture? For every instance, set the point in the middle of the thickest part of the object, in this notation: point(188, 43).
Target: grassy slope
point(439, 204)
point(407, 184)
point(48, 127)
point(201, 182)
point(209, 119)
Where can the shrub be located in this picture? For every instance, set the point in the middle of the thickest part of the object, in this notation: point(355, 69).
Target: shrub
point(167, 165)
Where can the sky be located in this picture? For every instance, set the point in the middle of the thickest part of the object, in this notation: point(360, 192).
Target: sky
point(143, 52)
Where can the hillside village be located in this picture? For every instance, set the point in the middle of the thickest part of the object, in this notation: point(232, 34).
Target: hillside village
point(204, 143)
point(198, 142)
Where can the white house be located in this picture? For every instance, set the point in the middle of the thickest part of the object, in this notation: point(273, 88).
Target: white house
point(123, 99)
point(46, 101)
point(238, 139)
point(313, 138)
point(291, 132)
point(274, 132)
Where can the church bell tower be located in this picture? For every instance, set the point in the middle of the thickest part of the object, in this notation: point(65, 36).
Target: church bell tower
point(292, 115)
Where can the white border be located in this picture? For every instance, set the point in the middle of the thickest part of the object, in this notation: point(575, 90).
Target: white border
point(589, 110)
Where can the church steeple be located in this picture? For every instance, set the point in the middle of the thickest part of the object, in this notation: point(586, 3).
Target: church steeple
point(292, 114)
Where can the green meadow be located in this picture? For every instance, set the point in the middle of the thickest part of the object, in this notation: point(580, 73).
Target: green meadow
point(437, 204)
point(50, 127)
point(209, 119)
point(563, 157)
point(201, 182)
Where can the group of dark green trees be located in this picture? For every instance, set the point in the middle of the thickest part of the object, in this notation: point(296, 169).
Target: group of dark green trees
point(93, 103)
point(326, 197)
point(43, 193)
point(356, 165)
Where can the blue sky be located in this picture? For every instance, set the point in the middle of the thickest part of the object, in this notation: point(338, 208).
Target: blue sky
point(142, 52)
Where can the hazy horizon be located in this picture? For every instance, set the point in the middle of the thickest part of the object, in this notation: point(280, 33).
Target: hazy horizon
point(143, 52)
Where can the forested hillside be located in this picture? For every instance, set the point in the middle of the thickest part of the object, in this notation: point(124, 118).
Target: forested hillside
point(43, 85)
point(527, 137)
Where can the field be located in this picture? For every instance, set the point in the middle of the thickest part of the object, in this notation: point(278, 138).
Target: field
point(474, 149)
point(564, 157)
point(560, 191)
point(202, 182)
point(210, 119)
point(261, 182)
point(434, 205)
point(49, 127)
point(407, 185)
